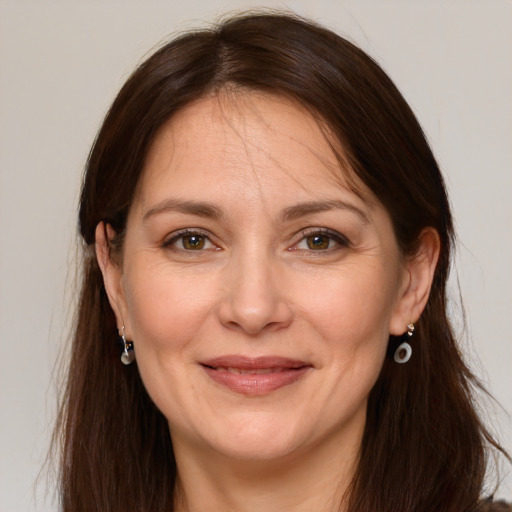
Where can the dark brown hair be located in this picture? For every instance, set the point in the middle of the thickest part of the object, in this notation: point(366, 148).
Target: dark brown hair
point(490, 505)
point(424, 446)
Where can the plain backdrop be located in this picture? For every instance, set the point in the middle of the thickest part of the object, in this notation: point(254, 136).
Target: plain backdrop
point(61, 63)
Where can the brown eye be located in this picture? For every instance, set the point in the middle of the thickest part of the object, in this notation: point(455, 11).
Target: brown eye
point(193, 242)
point(189, 241)
point(321, 240)
point(318, 242)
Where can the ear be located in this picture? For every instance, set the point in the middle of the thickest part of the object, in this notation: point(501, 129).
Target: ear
point(112, 272)
point(417, 280)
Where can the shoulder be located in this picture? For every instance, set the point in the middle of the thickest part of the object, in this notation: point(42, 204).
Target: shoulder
point(490, 505)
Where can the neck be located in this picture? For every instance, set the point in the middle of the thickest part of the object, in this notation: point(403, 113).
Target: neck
point(315, 479)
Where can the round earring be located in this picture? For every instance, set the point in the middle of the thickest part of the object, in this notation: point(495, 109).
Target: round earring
point(404, 351)
point(128, 355)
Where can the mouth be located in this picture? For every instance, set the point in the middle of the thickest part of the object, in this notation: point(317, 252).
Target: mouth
point(241, 371)
point(255, 376)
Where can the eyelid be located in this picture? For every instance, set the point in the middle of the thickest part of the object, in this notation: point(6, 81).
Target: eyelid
point(176, 235)
point(338, 237)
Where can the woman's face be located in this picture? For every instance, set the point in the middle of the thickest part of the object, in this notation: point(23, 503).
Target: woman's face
point(259, 291)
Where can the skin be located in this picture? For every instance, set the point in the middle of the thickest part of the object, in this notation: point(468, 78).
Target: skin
point(324, 287)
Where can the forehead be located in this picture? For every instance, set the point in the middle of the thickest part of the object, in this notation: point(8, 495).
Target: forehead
point(253, 145)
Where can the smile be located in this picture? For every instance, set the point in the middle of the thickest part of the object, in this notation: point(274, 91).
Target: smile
point(255, 376)
point(250, 372)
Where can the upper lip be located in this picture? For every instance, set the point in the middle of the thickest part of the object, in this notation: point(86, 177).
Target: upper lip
point(254, 363)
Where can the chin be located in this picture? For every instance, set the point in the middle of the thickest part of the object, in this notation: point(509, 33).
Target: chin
point(258, 439)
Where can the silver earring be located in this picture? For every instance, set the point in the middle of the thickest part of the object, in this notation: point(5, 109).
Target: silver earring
point(404, 351)
point(128, 355)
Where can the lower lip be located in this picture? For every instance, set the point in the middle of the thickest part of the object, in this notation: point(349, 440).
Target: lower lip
point(256, 384)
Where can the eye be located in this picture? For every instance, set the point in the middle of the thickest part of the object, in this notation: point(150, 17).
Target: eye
point(193, 242)
point(317, 242)
point(321, 241)
point(189, 241)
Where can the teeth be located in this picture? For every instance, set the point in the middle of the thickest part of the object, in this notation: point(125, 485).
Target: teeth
point(255, 371)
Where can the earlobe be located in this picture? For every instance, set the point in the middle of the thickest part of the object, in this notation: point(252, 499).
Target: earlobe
point(112, 274)
point(419, 268)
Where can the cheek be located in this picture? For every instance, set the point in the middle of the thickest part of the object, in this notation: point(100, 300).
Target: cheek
point(352, 317)
point(352, 306)
point(167, 313)
point(353, 321)
point(165, 310)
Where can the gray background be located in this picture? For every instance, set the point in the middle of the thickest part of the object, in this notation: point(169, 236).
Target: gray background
point(61, 64)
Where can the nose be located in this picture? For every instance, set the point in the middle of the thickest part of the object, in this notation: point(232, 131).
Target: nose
point(254, 297)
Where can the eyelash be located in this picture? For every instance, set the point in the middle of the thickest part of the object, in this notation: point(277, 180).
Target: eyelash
point(332, 236)
point(168, 244)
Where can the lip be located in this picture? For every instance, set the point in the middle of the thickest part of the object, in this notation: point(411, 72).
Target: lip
point(255, 376)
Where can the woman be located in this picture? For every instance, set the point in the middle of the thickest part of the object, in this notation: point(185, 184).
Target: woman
point(267, 243)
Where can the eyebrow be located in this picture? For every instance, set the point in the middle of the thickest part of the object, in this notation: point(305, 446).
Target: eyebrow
point(207, 210)
point(197, 208)
point(303, 209)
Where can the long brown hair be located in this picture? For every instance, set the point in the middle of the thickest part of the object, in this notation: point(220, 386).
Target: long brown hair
point(424, 447)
